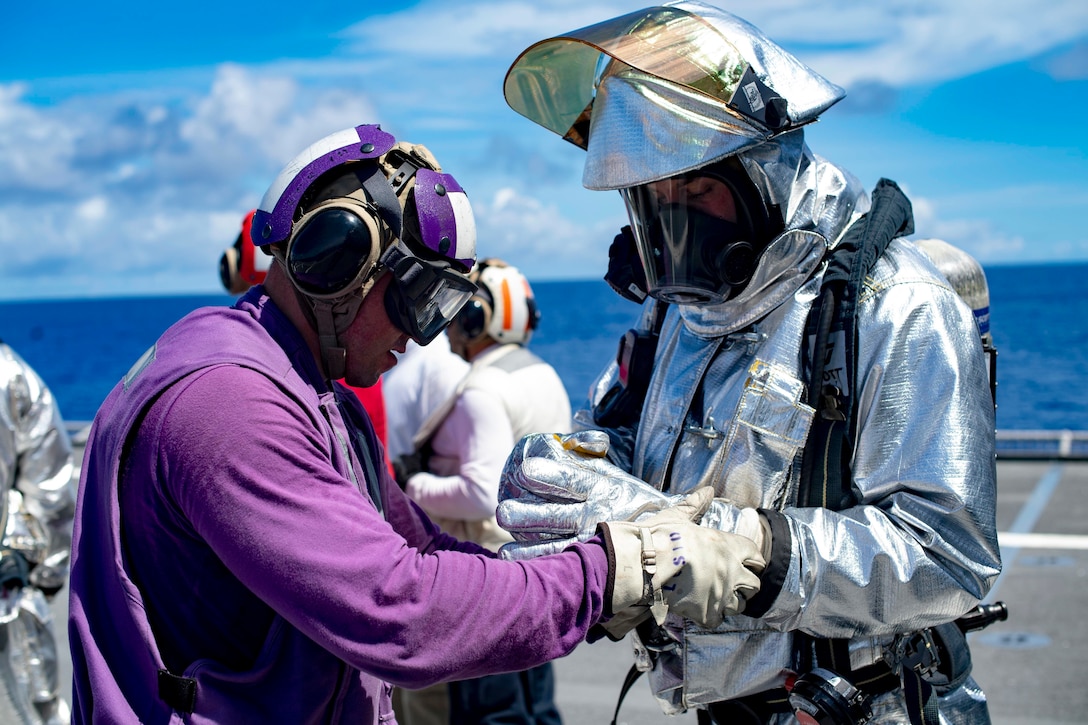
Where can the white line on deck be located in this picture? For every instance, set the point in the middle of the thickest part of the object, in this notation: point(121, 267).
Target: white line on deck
point(1042, 541)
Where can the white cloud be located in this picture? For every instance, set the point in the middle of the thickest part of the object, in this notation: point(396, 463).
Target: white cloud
point(137, 182)
point(36, 145)
point(540, 238)
point(144, 195)
point(476, 29)
point(899, 43)
point(961, 221)
point(93, 209)
point(907, 43)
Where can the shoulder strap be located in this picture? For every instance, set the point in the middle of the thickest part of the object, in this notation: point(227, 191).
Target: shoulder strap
point(825, 471)
point(622, 404)
point(825, 467)
point(504, 357)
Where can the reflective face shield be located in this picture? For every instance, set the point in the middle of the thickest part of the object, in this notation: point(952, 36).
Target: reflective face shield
point(663, 90)
point(553, 82)
point(697, 236)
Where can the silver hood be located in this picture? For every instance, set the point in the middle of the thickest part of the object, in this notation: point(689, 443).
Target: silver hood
point(664, 90)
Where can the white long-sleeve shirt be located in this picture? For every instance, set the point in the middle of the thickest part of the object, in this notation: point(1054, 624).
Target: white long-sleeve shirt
point(507, 394)
point(423, 379)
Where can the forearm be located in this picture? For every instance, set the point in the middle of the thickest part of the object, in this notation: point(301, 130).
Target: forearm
point(923, 474)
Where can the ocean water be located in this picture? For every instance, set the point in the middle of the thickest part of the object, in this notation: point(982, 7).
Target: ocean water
point(1039, 320)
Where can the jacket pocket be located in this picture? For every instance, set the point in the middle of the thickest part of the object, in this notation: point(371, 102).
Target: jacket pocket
point(765, 437)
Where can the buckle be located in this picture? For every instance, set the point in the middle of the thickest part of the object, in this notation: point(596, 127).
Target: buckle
point(913, 651)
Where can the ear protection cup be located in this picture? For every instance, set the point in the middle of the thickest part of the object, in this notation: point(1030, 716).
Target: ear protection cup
point(241, 265)
point(228, 269)
point(334, 247)
point(503, 307)
point(474, 318)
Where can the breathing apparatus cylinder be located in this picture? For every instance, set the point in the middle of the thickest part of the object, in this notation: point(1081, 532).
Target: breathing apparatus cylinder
point(967, 277)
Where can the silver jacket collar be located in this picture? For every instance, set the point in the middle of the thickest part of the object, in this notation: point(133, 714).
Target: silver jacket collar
point(814, 195)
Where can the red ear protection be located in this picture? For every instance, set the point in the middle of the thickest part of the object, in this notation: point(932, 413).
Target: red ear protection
point(241, 266)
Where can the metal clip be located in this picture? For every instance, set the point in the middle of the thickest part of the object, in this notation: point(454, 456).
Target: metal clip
point(707, 431)
point(913, 651)
point(746, 338)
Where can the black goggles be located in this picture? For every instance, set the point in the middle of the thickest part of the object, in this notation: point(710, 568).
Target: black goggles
point(424, 296)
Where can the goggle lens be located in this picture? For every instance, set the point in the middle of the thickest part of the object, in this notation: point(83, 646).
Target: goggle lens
point(328, 253)
point(424, 296)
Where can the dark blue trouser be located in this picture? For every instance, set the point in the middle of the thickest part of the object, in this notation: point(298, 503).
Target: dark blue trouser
point(512, 698)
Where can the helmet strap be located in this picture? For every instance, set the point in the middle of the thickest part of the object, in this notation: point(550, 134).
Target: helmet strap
point(333, 355)
point(329, 319)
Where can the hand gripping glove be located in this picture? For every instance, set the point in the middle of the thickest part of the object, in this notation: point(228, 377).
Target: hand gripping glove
point(555, 489)
point(670, 563)
point(747, 522)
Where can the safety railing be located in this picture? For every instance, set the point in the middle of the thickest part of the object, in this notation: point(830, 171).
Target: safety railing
point(1011, 444)
point(1042, 444)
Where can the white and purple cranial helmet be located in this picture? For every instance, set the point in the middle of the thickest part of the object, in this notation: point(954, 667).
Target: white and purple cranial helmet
point(358, 203)
point(444, 218)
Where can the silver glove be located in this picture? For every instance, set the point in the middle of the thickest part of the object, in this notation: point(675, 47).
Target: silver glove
point(555, 489)
point(744, 521)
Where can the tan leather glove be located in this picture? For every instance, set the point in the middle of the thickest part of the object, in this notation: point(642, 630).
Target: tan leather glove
point(670, 562)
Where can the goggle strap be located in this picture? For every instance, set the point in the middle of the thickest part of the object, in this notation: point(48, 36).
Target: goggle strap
point(384, 198)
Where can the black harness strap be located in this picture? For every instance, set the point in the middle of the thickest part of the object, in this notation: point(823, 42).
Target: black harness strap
point(177, 692)
point(632, 675)
point(825, 472)
point(825, 480)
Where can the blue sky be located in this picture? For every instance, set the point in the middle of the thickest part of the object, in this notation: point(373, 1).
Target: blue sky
point(133, 136)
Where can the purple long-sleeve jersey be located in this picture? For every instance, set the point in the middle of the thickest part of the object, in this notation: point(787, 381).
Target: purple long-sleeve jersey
point(229, 558)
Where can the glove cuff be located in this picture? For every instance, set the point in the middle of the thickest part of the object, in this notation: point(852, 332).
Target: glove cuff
point(773, 576)
point(632, 563)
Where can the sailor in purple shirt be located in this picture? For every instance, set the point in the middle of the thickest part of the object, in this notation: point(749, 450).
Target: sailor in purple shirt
point(240, 553)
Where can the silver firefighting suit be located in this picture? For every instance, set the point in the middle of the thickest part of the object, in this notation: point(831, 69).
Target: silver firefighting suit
point(920, 547)
point(37, 501)
point(666, 90)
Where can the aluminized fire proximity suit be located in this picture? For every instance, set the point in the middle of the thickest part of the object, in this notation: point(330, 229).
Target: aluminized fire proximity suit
point(923, 534)
point(37, 501)
point(726, 408)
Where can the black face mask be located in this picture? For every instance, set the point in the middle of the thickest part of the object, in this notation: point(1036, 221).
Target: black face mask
point(699, 251)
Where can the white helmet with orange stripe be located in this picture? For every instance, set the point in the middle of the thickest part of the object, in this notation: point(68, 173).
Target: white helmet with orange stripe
point(503, 308)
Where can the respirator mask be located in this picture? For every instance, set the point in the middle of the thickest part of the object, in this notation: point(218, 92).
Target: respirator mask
point(699, 234)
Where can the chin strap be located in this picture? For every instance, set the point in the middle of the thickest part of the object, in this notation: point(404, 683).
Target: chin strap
point(329, 319)
point(326, 314)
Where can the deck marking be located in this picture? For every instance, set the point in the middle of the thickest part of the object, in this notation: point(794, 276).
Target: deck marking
point(1011, 540)
point(1025, 522)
